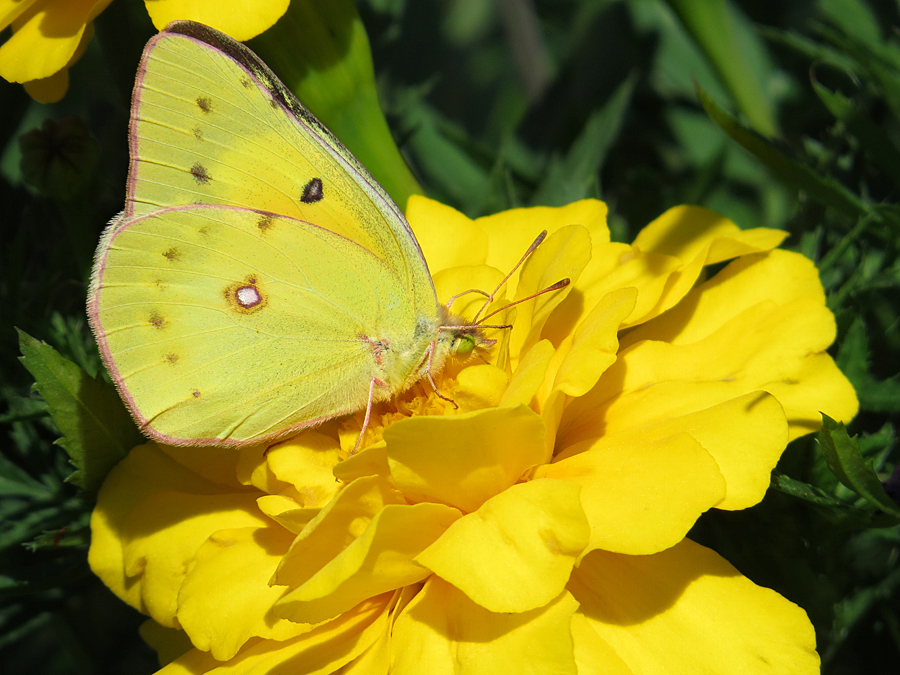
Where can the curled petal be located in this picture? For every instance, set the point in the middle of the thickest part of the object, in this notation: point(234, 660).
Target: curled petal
point(686, 610)
point(464, 460)
point(380, 559)
point(516, 552)
point(325, 649)
point(231, 573)
point(442, 632)
point(642, 495)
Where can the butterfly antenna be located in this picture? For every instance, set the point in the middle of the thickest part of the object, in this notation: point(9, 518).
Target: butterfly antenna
point(490, 296)
point(562, 283)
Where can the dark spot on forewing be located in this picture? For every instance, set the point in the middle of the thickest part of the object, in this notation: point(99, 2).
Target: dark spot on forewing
point(172, 359)
point(157, 321)
point(172, 254)
point(198, 171)
point(313, 192)
point(198, 133)
point(204, 103)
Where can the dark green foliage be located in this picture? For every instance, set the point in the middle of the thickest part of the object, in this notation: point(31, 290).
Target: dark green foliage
point(776, 114)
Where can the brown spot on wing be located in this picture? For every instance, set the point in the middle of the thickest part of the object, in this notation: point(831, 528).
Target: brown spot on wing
point(172, 359)
point(172, 254)
point(198, 171)
point(157, 321)
point(264, 223)
point(313, 191)
point(198, 133)
point(204, 103)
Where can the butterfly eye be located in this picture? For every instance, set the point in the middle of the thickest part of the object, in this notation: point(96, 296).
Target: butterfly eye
point(465, 344)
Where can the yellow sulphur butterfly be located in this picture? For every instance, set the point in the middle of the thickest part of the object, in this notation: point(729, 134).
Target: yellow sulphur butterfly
point(259, 280)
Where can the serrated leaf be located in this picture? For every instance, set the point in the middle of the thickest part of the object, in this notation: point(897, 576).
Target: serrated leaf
point(97, 429)
point(847, 463)
point(823, 190)
point(808, 493)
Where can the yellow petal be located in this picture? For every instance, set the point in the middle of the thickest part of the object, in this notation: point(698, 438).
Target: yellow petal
point(455, 280)
point(563, 255)
point(286, 512)
point(379, 560)
point(145, 472)
point(684, 231)
point(241, 19)
point(322, 651)
point(307, 462)
point(442, 632)
point(834, 395)
point(480, 386)
point(516, 552)
point(594, 343)
point(252, 469)
point(335, 527)
point(371, 461)
point(593, 656)
point(211, 464)
point(613, 267)
point(447, 237)
point(529, 375)
point(164, 533)
point(463, 460)
point(49, 89)
point(46, 38)
point(780, 277)
point(168, 643)
point(231, 572)
point(511, 232)
point(642, 495)
point(10, 10)
point(745, 435)
point(686, 610)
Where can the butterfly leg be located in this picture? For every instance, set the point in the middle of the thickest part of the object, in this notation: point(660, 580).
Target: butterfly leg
point(431, 347)
point(375, 381)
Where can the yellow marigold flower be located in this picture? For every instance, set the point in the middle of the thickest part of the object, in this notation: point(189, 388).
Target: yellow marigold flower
point(541, 526)
point(50, 35)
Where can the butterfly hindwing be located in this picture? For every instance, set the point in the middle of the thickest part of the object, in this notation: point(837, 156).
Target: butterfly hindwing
point(225, 322)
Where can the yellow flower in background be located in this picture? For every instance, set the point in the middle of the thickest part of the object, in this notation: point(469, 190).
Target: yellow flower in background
point(48, 36)
point(540, 527)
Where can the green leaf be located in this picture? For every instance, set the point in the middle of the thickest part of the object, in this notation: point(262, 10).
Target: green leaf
point(575, 177)
point(851, 468)
point(97, 429)
point(713, 25)
point(876, 143)
point(808, 493)
point(824, 190)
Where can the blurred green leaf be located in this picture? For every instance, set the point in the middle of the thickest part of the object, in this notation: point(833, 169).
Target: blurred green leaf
point(576, 175)
point(825, 190)
point(876, 143)
point(851, 468)
point(97, 429)
point(711, 24)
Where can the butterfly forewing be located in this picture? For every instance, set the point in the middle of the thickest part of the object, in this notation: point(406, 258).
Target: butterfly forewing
point(208, 129)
